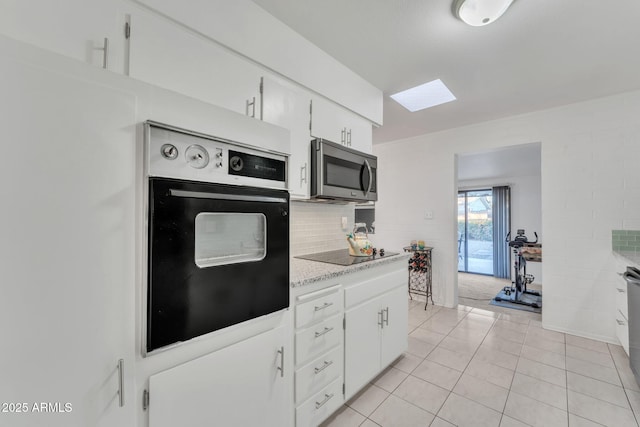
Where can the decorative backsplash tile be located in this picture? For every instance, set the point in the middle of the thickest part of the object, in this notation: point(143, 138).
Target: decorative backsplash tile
point(317, 227)
point(626, 240)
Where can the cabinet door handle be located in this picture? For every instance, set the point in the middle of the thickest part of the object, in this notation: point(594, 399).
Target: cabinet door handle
point(281, 367)
point(253, 105)
point(349, 138)
point(121, 382)
point(323, 306)
point(380, 319)
point(620, 322)
point(386, 319)
point(303, 174)
point(620, 290)
point(327, 397)
point(323, 367)
point(105, 52)
point(343, 135)
point(325, 331)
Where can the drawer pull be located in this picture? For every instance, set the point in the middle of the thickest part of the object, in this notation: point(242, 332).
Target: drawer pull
point(327, 397)
point(323, 306)
point(620, 290)
point(620, 322)
point(326, 330)
point(323, 367)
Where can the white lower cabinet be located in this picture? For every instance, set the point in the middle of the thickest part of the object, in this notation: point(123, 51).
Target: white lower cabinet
point(375, 328)
point(346, 334)
point(622, 313)
point(244, 384)
point(322, 404)
point(319, 353)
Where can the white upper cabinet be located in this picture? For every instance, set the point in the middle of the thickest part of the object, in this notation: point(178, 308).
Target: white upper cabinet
point(336, 124)
point(286, 106)
point(245, 27)
point(73, 28)
point(174, 57)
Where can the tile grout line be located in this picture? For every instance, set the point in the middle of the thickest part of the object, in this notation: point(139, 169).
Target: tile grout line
point(623, 387)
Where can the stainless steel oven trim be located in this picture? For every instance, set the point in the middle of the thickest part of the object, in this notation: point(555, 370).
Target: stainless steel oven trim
point(144, 244)
point(220, 196)
point(211, 137)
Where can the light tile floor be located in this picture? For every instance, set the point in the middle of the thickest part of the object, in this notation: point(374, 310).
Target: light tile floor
point(473, 367)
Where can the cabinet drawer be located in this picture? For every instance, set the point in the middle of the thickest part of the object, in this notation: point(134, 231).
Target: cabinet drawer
point(319, 406)
point(316, 306)
point(621, 299)
point(367, 289)
point(318, 338)
point(622, 331)
point(318, 373)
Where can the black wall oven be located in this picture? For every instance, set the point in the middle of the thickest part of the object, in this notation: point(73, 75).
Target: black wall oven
point(218, 250)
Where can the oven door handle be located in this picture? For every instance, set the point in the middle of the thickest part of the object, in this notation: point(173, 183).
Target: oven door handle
point(222, 196)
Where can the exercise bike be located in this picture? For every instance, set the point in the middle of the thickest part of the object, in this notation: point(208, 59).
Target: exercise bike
point(518, 287)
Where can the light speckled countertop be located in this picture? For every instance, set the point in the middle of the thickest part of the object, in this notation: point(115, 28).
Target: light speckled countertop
point(633, 257)
point(304, 272)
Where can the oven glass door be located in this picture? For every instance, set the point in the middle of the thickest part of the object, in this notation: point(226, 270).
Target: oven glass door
point(218, 255)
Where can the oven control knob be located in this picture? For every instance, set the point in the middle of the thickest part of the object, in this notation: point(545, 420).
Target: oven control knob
point(197, 156)
point(169, 151)
point(236, 163)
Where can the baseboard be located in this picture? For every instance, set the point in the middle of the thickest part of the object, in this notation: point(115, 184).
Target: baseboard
point(596, 337)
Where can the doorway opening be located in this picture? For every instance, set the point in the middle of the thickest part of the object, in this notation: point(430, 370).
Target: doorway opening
point(475, 232)
point(508, 176)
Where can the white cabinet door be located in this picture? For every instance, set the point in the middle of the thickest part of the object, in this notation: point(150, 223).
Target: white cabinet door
point(336, 124)
point(362, 344)
point(171, 56)
point(394, 331)
point(239, 385)
point(360, 134)
point(73, 28)
point(284, 106)
point(68, 241)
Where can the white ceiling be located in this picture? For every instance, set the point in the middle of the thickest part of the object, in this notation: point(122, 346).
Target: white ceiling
point(539, 54)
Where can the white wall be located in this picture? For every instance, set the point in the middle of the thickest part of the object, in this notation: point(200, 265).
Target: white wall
point(526, 211)
point(590, 186)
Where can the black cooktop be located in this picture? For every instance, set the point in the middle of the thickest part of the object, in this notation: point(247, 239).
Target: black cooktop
point(342, 257)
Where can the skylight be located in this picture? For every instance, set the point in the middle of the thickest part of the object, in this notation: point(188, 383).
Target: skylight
point(424, 96)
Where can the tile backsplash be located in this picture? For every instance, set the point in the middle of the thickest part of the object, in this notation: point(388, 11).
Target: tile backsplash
point(626, 240)
point(317, 227)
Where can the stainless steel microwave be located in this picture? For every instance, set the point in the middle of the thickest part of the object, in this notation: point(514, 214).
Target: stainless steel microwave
point(339, 173)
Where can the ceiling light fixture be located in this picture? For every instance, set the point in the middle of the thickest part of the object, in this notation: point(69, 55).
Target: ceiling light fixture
point(424, 96)
point(480, 12)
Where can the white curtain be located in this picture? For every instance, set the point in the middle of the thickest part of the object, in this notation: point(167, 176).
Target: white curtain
point(501, 226)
